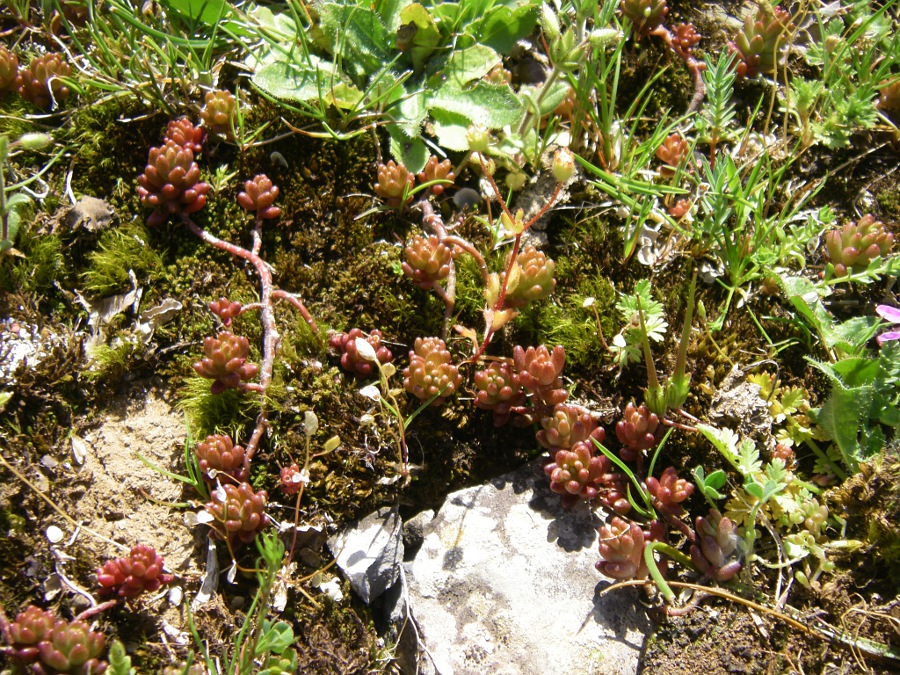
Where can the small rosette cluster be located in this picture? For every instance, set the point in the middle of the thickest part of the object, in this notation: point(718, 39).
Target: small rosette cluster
point(351, 360)
point(853, 246)
point(141, 572)
point(226, 309)
point(183, 132)
point(569, 424)
point(394, 184)
point(497, 388)
point(40, 83)
point(540, 372)
point(759, 42)
point(530, 278)
point(431, 371)
point(427, 261)
point(672, 153)
point(622, 550)
point(669, 491)
point(51, 645)
point(258, 196)
point(219, 455)
point(238, 513)
point(715, 553)
point(577, 473)
point(225, 361)
point(219, 113)
point(171, 184)
point(9, 70)
point(636, 431)
point(435, 170)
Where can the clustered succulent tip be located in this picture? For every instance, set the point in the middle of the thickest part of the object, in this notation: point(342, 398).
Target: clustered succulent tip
point(427, 260)
point(258, 196)
point(435, 170)
point(219, 455)
point(394, 181)
point(238, 512)
point(569, 424)
point(622, 550)
point(226, 309)
point(645, 15)
point(715, 553)
point(853, 246)
point(497, 388)
point(530, 278)
point(142, 571)
point(577, 473)
point(540, 372)
point(171, 183)
point(351, 359)
point(636, 430)
point(759, 42)
point(183, 132)
point(50, 645)
point(225, 361)
point(40, 82)
point(219, 113)
point(9, 70)
point(431, 371)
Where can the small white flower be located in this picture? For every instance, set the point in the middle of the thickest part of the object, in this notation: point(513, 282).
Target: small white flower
point(588, 302)
point(310, 422)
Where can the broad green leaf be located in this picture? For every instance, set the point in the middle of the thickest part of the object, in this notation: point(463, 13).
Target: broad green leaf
point(275, 637)
point(852, 334)
point(843, 414)
point(501, 27)
point(411, 151)
point(709, 485)
point(210, 12)
point(856, 372)
point(450, 130)
point(296, 82)
point(490, 105)
point(417, 34)
point(359, 40)
point(469, 64)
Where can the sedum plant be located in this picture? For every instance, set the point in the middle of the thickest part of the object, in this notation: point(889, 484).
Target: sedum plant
point(183, 132)
point(431, 371)
point(716, 551)
point(394, 184)
point(127, 578)
point(644, 15)
point(498, 389)
point(852, 247)
point(759, 42)
point(622, 550)
point(219, 455)
point(576, 473)
point(238, 513)
point(540, 373)
point(258, 196)
point(352, 360)
point(568, 425)
point(219, 113)
point(170, 183)
point(428, 261)
point(9, 70)
point(49, 645)
point(225, 361)
point(40, 83)
point(530, 278)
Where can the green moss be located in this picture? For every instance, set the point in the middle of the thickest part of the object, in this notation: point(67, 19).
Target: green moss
point(113, 361)
point(41, 264)
point(208, 413)
point(119, 251)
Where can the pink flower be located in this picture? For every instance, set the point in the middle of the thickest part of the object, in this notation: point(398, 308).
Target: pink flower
point(891, 315)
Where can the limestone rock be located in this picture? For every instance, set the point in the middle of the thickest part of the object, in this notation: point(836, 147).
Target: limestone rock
point(505, 583)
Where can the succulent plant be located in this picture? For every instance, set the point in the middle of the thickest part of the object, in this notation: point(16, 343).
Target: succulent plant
point(393, 181)
point(141, 571)
point(497, 389)
point(431, 371)
point(73, 648)
point(569, 424)
point(854, 245)
point(613, 492)
point(354, 362)
point(645, 15)
point(636, 431)
point(714, 551)
point(238, 512)
point(684, 38)
point(576, 473)
point(531, 278)
point(669, 491)
point(9, 70)
point(218, 454)
point(292, 479)
point(31, 627)
point(758, 44)
point(672, 153)
point(219, 113)
point(196, 668)
point(427, 260)
point(225, 309)
point(226, 361)
point(622, 550)
point(39, 82)
point(171, 183)
point(184, 133)
point(435, 170)
point(258, 196)
point(539, 372)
